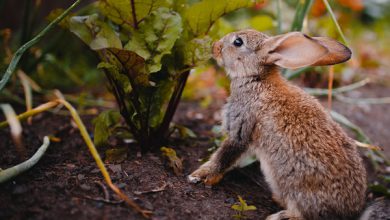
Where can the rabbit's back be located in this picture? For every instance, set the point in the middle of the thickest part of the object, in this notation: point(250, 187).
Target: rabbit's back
point(306, 157)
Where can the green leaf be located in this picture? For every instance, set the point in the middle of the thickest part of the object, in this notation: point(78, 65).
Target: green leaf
point(185, 132)
point(126, 63)
point(386, 179)
point(237, 207)
point(250, 208)
point(121, 11)
point(238, 216)
point(104, 125)
point(242, 206)
point(117, 75)
point(197, 51)
point(94, 32)
point(380, 189)
point(156, 37)
point(262, 22)
point(242, 201)
point(202, 15)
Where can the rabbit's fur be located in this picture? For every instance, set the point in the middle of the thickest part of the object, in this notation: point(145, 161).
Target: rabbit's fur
point(312, 167)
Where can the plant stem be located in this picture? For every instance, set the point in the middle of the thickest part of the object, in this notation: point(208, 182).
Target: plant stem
point(27, 92)
point(163, 130)
point(98, 160)
point(302, 9)
point(119, 97)
point(330, 86)
point(361, 136)
point(133, 13)
point(14, 171)
point(293, 74)
point(34, 111)
point(16, 58)
point(279, 16)
point(336, 23)
point(367, 101)
point(323, 92)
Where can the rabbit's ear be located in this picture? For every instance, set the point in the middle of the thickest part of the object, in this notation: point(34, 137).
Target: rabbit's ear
point(295, 50)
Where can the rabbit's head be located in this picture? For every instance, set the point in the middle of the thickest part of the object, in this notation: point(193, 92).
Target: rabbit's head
point(249, 52)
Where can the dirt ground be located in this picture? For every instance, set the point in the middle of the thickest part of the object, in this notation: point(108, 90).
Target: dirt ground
point(66, 183)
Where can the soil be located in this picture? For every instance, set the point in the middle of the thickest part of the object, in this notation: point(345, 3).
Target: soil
point(66, 183)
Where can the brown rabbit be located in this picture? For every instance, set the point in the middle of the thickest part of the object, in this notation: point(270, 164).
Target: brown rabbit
point(312, 167)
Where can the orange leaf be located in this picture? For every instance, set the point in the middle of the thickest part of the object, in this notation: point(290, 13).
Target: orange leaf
point(318, 8)
point(355, 5)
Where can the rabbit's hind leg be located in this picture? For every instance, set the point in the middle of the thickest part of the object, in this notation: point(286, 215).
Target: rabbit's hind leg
point(285, 215)
point(291, 213)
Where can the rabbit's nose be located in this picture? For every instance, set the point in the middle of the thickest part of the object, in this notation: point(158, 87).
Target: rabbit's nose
point(217, 49)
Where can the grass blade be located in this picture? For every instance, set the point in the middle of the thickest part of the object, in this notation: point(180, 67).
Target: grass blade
point(27, 92)
point(361, 137)
point(330, 86)
point(303, 8)
point(15, 59)
point(279, 16)
point(15, 127)
point(336, 23)
point(34, 111)
point(294, 74)
point(14, 171)
point(366, 101)
point(323, 92)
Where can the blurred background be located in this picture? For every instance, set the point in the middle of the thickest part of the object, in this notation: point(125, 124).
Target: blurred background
point(62, 61)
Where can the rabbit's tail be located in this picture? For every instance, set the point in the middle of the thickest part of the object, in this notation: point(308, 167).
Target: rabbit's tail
point(378, 210)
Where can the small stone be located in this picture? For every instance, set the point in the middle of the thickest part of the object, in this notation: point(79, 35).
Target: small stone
point(80, 177)
point(85, 187)
point(96, 170)
point(122, 185)
point(116, 168)
point(20, 189)
point(230, 201)
point(148, 205)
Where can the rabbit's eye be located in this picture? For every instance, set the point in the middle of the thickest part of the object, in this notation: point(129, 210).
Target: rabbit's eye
point(238, 42)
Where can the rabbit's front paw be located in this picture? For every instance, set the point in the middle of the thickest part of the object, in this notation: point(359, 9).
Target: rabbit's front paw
point(205, 173)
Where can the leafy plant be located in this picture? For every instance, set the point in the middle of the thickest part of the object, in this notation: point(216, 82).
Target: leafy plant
point(242, 207)
point(147, 49)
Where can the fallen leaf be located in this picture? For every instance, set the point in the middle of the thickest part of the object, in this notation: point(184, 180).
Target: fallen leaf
point(174, 161)
point(116, 155)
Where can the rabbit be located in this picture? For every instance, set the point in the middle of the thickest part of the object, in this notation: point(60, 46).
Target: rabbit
point(312, 167)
